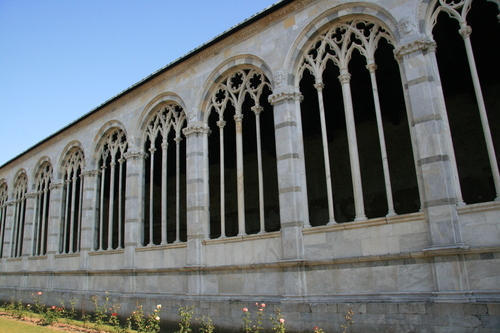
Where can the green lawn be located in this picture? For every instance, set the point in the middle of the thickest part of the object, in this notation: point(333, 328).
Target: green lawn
point(12, 326)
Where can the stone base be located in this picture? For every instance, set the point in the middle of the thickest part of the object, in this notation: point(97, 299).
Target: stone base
point(301, 316)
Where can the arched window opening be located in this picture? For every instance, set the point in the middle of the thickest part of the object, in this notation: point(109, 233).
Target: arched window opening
point(242, 157)
point(20, 190)
point(72, 202)
point(4, 196)
point(358, 156)
point(42, 200)
point(165, 177)
point(467, 35)
point(111, 180)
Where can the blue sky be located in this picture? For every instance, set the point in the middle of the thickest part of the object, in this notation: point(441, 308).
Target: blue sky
point(59, 59)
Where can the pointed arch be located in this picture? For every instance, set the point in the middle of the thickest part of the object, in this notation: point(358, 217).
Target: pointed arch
point(72, 166)
point(43, 179)
point(111, 147)
point(347, 44)
point(338, 12)
point(165, 171)
point(4, 197)
point(19, 201)
point(242, 157)
point(467, 35)
point(244, 61)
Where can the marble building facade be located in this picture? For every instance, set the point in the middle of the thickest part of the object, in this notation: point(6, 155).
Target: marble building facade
point(320, 154)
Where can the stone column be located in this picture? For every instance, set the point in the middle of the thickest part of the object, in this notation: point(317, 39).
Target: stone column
point(289, 155)
point(433, 152)
point(29, 219)
point(7, 238)
point(54, 228)
point(134, 205)
point(89, 216)
point(197, 200)
point(55, 219)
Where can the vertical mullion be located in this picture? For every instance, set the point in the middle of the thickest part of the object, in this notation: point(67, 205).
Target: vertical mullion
point(326, 155)
point(151, 185)
point(381, 137)
point(177, 188)
point(164, 168)
point(345, 79)
point(257, 109)
point(238, 118)
point(120, 203)
point(101, 211)
point(465, 32)
point(111, 202)
point(44, 220)
point(221, 123)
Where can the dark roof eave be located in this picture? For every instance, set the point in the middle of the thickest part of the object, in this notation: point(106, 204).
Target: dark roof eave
point(162, 70)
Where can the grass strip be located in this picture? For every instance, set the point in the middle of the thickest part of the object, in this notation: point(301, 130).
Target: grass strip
point(14, 326)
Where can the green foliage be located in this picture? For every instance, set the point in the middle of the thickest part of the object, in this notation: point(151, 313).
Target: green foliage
point(51, 315)
point(138, 319)
point(278, 322)
point(186, 313)
point(142, 323)
point(206, 325)
point(100, 312)
point(348, 320)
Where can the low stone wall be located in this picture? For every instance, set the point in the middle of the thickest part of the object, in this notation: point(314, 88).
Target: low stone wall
point(299, 316)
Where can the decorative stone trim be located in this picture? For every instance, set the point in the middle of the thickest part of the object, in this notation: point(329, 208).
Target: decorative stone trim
point(433, 159)
point(135, 155)
point(422, 44)
point(465, 32)
point(90, 173)
point(439, 202)
point(196, 130)
point(447, 249)
point(290, 189)
point(287, 93)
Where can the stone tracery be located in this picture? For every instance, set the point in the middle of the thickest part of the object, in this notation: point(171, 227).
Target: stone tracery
point(72, 201)
point(459, 11)
point(41, 210)
point(163, 140)
point(240, 91)
point(20, 191)
point(110, 227)
point(337, 45)
point(4, 195)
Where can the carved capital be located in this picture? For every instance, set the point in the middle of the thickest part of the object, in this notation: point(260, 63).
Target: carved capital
point(190, 130)
point(55, 186)
point(465, 32)
point(90, 173)
point(372, 67)
point(257, 109)
point(238, 117)
point(221, 123)
point(286, 93)
point(31, 195)
point(345, 78)
point(421, 44)
point(135, 155)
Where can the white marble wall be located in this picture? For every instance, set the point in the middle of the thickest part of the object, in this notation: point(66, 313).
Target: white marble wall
point(443, 253)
